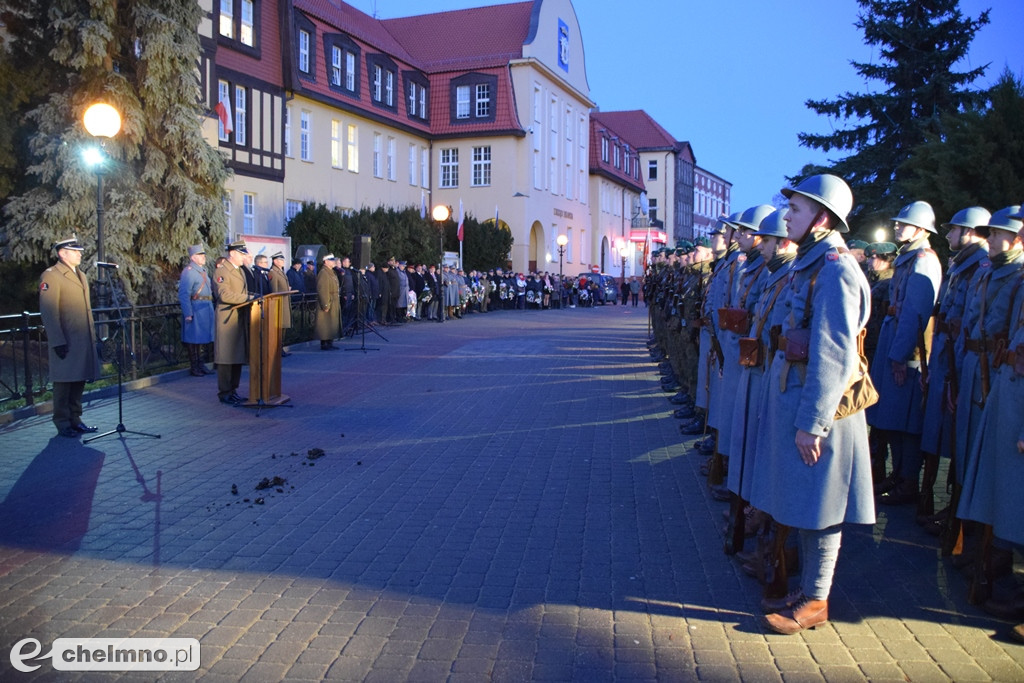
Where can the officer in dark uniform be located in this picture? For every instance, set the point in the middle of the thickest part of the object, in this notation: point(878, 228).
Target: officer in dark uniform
point(195, 296)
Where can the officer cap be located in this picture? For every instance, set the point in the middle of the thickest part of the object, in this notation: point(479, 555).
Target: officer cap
point(830, 191)
point(969, 218)
point(919, 214)
point(1003, 219)
point(277, 255)
point(329, 257)
point(68, 243)
point(858, 244)
point(880, 249)
point(196, 249)
point(239, 246)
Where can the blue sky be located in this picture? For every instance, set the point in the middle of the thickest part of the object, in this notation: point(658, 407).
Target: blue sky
point(732, 76)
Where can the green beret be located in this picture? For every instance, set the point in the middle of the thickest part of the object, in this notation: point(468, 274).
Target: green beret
point(857, 244)
point(703, 242)
point(881, 249)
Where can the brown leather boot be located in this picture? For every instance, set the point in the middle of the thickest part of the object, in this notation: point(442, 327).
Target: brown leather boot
point(770, 605)
point(804, 615)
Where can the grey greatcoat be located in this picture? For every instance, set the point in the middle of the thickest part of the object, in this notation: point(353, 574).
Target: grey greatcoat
point(805, 395)
point(750, 387)
point(937, 429)
point(722, 279)
point(328, 310)
point(913, 291)
point(749, 282)
point(195, 295)
point(990, 293)
point(66, 311)
point(994, 477)
point(231, 329)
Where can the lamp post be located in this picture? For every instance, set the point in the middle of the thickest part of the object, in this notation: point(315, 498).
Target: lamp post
point(440, 214)
point(561, 241)
point(101, 121)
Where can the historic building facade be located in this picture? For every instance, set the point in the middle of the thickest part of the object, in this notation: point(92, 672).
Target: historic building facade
point(711, 199)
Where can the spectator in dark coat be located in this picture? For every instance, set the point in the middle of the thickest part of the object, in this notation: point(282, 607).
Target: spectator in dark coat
point(384, 301)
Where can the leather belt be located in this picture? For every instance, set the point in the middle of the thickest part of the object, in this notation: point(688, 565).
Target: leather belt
point(978, 346)
point(782, 344)
point(1010, 358)
point(202, 298)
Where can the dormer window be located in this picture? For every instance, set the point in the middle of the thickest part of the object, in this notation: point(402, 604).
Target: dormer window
point(416, 95)
point(342, 62)
point(472, 98)
point(383, 74)
point(238, 24)
point(305, 47)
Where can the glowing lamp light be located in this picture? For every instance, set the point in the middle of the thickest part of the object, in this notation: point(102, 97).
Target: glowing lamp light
point(562, 240)
point(102, 120)
point(440, 213)
point(880, 235)
point(93, 157)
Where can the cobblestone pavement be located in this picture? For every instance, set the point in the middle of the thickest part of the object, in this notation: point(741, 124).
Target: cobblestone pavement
point(505, 497)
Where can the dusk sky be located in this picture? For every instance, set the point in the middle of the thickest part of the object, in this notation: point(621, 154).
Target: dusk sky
point(731, 76)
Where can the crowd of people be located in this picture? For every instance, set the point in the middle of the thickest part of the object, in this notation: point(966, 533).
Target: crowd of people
point(826, 377)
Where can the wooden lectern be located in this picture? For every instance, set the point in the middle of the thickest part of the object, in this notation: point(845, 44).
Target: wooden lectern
point(265, 341)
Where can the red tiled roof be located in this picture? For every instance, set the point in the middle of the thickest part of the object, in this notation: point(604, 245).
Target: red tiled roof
point(607, 168)
point(638, 128)
point(464, 39)
point(355, 23)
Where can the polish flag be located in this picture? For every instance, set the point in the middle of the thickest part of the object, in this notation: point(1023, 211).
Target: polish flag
point(223, 110)
point(461, 221)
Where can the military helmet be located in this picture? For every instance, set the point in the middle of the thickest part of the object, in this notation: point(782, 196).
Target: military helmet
point(969, 218)
point(830, 191)
point(729, 221)
point(880, 249)
point(1003, 219)
point(1019, 214)
point(773, 225)
point(752, 217)
point(919, 214)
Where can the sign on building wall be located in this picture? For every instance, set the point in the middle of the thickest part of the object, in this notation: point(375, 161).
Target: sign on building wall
point(563, 45)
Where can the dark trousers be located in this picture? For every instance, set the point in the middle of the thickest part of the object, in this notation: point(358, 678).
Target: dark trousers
point(228, 378)
point(636, 299)
point(67, 403)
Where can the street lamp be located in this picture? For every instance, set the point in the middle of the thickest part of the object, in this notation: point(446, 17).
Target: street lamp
point(620, 247)
point(561, 241)
point(101, 121)
point(440, 214)
point(880, 235)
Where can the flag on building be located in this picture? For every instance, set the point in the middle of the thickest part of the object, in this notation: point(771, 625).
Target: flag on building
point(223, 110)
point(462, 218)
point(423, 204)
point(497, 223)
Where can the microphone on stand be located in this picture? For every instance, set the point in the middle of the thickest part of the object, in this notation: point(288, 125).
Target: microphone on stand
point(102, 264)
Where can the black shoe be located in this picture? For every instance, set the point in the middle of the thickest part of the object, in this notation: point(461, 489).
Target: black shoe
point(681, 399)
point(84, 429)
point(704, 449)
point(901, 495)
point(228, 400)
point(721, 493)
point(69, 432)
point(694, 426)
point(685, 413)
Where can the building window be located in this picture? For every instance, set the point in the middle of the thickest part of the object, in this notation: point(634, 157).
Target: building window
point(305, 144)
point(382, 79)
point(604, 150)
point(424, 167)
point(292, 209)
point(336, 66)
point(423, 102)
point(378, 169)
point(483, 100)
point(350, 71)
point(336, 143)
point(353, 148)
point(223, 95)
point(389, 88)
point(412, 164)
point(247, 34)
point(481, 167)
point(652, 212)
point(248, 213)
point(227, 18)
point(225, 201)
point(417, 95)
point(288, 131)
point(241, 99)
point(615, 152)
point(304, 51)
point(450, 167)
point(392, 171)
point(652, 170)
point(462, 102)
point(378, 75)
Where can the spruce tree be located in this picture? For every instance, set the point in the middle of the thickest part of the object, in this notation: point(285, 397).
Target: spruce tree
point(164, 181)
point(918, 45)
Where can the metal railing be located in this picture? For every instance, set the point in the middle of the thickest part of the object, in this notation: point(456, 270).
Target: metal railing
point(147, 340)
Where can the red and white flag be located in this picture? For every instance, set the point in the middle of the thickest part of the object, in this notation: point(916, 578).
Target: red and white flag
point(461, 221)
point(223, 110)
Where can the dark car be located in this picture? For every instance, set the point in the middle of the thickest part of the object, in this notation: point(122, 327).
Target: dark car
point(608, 287)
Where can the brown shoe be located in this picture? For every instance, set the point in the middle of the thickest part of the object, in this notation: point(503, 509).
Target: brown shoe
point(804, 615)
point(770, 605)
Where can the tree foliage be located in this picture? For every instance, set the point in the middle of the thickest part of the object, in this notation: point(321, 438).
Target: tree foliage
point(919, 44)
point(402, 234)
point(163, 182)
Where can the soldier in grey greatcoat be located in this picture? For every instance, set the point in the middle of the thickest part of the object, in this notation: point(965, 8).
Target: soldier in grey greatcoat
point(195, 296)
point(66, 311)
point(903, 348)
point(231, 325)
point(328, 299)
point(812, 471)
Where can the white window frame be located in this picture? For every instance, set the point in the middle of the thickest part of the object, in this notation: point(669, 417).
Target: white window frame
point(413, 155)
point(378, 162)
point(305, 136)
point(227, 18)
point(291, 209)
point(223, 95)
point(412, 99)
point(248, 213)
point(336, 65)
point(423, 102)
point(350, 71)
point(304, 51)
point(336, 144)
point(392, 170)
point(352, 148)
point(288, 132)
point(482, 106)
point(378, 77)
point(481, 169)
point(424, 167)
point(241, 102)
point(462, 102)
point(389, 87)
point(246, 33)
point(449, 167)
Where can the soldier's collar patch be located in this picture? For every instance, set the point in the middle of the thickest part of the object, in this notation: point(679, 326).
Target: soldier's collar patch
point(985, 264)
point(832, 256)
point(741, 257)
point(44, 286)
point(220, 279)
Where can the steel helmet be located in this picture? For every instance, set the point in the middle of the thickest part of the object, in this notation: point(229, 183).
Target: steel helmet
point(752, 217)
point(969, 218)
point(721, 224)
point(1003, 219)
point(919, 214)
point(773, 225)
point(830, 191)
point(1019, 214)
point(731, 220)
